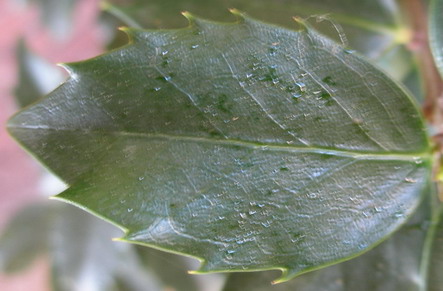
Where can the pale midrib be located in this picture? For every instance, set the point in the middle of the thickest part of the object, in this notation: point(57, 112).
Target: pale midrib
point(424, 156)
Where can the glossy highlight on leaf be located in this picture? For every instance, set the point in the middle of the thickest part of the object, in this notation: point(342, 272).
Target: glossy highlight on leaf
point(246, 145)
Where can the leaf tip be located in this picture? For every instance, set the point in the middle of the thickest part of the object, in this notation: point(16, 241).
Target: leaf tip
point(69, 68)
point(241, 15)
point(285, 276)
point(195, 21)
point(73, 69)
point(301, 22)
point(189, 16)
point(125, 29)
point(198, 272)
point(202, 269)
point(128, 31)
point(235, 11)
point(119, 239)
point(132, 33)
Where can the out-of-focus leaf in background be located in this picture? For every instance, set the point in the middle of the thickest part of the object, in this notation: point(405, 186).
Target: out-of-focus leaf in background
point(436, 32)
point(80, 247)
point(434, 268)
point(27, 236)
point(21, 180)
point(36, 76)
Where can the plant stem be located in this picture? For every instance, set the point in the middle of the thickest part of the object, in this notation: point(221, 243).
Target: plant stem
point(416, 12)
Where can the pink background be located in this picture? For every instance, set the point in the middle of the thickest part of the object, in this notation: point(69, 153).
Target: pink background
point(19, 173)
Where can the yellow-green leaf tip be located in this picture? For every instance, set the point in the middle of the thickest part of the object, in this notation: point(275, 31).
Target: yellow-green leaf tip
point(285, 276)
point(72, 69)
point(300, 21)
point(238, 13)
point(189, 16)
point(129, 31)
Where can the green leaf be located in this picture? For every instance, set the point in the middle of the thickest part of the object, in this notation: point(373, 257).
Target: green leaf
point(245, 145)
point(82, 253)
point(372, 27)
point(391, 266)
point(26, 237)
point(170, 268)
point(27, 91)
point(435, 255)
point(436, 32)
point(36, 77)
point(79, 247)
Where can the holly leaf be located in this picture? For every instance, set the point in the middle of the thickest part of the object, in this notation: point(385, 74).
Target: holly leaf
point(245, 145)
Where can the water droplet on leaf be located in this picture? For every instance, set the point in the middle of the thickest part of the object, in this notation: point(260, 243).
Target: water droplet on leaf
point(312, 195)
point(398, 214)
point(301, 86)
point(410, 180)
point(296, 96)
point(418, 160)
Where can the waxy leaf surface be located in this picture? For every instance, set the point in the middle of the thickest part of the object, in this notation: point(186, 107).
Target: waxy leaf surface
point(395, 264)
point(246, 145)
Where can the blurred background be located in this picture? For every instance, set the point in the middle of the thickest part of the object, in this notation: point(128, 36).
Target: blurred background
point(35, 36)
